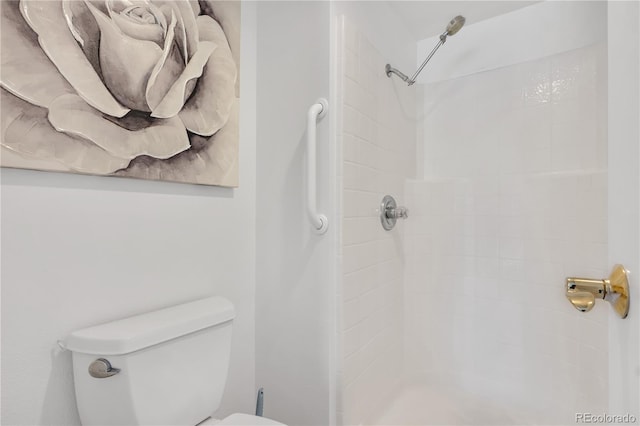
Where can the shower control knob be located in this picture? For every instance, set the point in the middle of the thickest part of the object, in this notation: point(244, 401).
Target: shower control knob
point(390, 212)
point(398, 213)
point(101, 368)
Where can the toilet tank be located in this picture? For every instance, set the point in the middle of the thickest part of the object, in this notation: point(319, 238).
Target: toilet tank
point(173, 365)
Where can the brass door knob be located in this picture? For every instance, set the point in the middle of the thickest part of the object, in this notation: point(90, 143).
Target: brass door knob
point(583, 292)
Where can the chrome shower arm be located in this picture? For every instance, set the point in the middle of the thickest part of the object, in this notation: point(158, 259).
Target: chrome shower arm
point(452, 28)
point(389, 70)
point(410, 81)
point(443, 38)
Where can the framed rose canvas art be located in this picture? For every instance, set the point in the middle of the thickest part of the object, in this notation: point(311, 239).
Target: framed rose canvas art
point(139, 88)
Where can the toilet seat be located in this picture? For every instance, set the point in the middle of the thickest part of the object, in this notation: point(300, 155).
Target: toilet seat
point(239, 419)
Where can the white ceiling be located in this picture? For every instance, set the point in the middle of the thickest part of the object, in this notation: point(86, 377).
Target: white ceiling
point(425, 19)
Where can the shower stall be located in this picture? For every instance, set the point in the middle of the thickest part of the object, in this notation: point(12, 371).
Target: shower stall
point(514, 150)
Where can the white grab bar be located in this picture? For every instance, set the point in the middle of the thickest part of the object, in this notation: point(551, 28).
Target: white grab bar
point(316, 112)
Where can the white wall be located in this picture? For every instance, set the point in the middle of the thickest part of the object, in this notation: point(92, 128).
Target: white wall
point(624, 200)
point(513, 201)
point(295, 269)
point(380, 24)
point(80, 250)
point(376, 135)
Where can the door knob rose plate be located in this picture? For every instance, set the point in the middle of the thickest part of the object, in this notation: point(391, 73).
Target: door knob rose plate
point(583, 292)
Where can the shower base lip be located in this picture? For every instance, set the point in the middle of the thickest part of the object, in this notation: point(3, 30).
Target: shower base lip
point(436, 400)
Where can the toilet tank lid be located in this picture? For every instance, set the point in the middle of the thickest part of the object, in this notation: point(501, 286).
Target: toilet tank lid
point(141, 331)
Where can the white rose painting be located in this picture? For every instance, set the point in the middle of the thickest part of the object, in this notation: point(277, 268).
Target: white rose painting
point(138, 88)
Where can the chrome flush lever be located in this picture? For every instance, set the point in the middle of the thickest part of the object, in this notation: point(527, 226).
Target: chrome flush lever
point(101, 369)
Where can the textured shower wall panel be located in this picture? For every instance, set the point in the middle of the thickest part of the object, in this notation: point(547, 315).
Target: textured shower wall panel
point(378, 146)
point(514, 200)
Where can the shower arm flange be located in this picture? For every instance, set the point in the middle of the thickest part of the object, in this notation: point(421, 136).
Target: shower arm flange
point(391, 70)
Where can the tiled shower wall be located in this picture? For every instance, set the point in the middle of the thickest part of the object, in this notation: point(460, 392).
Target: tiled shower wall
point(514, 200)
point(378, 138)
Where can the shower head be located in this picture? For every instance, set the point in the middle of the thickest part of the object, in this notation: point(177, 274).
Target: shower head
point(452, 28)
point(454, 25)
